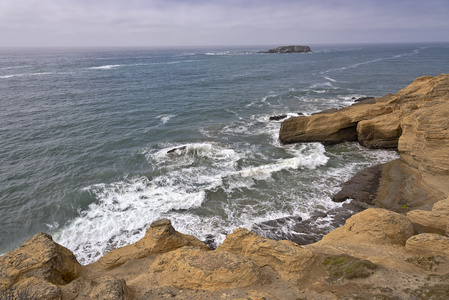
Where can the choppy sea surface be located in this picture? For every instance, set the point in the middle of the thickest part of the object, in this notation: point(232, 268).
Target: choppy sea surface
point(86, 134)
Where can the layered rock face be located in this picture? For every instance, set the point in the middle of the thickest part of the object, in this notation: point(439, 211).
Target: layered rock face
point(377, 254)
point(413, 121)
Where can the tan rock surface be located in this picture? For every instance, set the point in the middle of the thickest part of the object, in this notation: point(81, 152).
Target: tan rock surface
point(330, 128)
point(429, 244)
point(287, 258)
point(374, 226)
point(380, 132)
point(402, 188)
point(424, 142)
point(110, 288)
point(194, 268)
point(435, 221)
point(161, 237)
point(39, 257)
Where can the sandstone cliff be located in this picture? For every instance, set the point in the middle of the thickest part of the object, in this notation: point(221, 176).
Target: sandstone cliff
point(377, 254)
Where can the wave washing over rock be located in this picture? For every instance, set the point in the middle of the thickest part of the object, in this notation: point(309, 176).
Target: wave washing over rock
point(397, 248)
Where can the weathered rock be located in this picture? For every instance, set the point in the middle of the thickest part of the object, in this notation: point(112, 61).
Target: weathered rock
point(32, 288)
point(110, 288)
point(287, 258)
point(361, 187)
point(380, 132)
point(290, 49)
point(39, 257)
point(277, 118)
point(393, 185)
point(434, 221)
point(424, 142)
point(161, 237)
point(365, 100)
point(195, 268)
point(428, 221)
point(374, 226)
point(429, 244)
point(330, 127)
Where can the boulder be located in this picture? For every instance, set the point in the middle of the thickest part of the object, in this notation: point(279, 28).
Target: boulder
point(374, 226)
point(380, 132)
point(429, 244)
point(428, 221)
point(110, 288)
point(39, 257)
point(435, 221)
point(160, 237)
point(361, 187)
point(287, 258)
point(195, 268)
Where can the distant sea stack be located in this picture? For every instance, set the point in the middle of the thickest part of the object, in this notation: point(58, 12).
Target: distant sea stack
point(290, 49)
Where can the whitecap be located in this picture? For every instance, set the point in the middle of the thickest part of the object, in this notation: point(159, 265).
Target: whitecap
point(105, 67)
point(165, 118)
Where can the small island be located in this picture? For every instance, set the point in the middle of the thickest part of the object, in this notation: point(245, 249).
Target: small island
point(290, 49)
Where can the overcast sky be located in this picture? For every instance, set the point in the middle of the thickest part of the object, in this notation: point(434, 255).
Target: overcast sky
point(220, 22)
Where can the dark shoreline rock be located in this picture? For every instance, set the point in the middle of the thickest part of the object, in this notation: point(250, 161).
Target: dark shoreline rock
point(277, 118)
point(310, 230)
point(290, 49)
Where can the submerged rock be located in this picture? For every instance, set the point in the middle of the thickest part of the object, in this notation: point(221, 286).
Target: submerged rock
point(278, 117)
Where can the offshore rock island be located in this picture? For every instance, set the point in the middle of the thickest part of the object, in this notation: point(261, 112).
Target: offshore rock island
point(397, 248)
point(290, 49)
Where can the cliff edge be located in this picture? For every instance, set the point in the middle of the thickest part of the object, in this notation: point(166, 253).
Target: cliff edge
point(398, 248)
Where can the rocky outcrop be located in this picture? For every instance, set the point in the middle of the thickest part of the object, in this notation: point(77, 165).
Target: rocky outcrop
point(413, 121)
point(161, 237)
point(190, 268)
point(287, 258)
point(40, 258)
point(290, 49)
point(374, 253)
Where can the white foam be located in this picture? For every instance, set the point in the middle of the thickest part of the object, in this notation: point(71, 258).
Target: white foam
point(26, 74)
point(356, 65)
point(165, 118)
point(105, 67)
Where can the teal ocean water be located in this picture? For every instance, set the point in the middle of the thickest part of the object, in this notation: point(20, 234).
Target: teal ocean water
point(86, 134)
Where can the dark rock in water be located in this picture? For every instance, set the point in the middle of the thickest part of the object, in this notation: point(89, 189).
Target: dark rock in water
point(308, 231)
point(362, 186)
point(290, 49)
point(278, 117)
point(211, 241)
point(365, 100)
point(178, 148)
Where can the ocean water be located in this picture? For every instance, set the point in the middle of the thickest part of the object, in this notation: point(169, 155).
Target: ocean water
point(86, 134)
